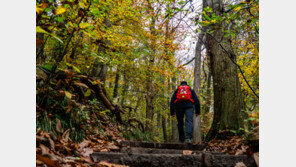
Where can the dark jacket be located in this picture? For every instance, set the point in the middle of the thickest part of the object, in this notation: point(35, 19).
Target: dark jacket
point(184, 104)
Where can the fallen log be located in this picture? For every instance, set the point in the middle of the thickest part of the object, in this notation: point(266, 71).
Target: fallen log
point(70, 79)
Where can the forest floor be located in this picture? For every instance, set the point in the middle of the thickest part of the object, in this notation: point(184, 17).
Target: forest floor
point(111, 150)
point(104, 145)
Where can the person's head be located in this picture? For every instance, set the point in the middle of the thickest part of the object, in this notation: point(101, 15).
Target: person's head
point(184, 83)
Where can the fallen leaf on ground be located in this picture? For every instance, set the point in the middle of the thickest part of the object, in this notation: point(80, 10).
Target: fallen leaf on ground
point(241, 151)
point(86, 152)
point(187, 152)
point(67, 165)
point(38, 162)
point(44, 149)
point(51, 142)
point(52, 136)
point(86, 159)
point(104, 150)
point(107, 164)
point(83, 144)
point(59, 126)
point(48, 161)
point(240, 164)
point(65, 136)
point(256, 158)
point(112, 146)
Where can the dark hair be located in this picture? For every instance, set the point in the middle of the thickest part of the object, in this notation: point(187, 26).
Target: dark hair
point(184, 83)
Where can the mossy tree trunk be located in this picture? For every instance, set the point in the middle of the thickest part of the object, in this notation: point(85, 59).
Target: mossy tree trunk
point(196, 86)
point(227, 89)
point(149, 72)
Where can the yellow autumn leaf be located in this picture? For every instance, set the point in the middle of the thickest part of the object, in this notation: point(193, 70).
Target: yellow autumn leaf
point(213, 21)
point(60, 10)
point(38, 10)
point(82, 5)
point(52, 28)
point(40, 30)
point(71, 24)
point(83, 25)
point(237, 8)
point(88, 34)
point(68, 94)
point(84, 1)
point(40, 7)
point(87, 93)
point(206, 22)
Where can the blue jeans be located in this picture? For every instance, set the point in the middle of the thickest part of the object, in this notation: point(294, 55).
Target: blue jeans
point(188, 112)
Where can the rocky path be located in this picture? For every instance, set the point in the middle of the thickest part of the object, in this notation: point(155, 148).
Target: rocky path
point(140, 154)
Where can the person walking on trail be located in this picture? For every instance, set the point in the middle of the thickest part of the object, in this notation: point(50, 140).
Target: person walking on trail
point(183, 102)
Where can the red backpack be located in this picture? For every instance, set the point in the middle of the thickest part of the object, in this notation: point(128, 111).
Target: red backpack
point(184, 94)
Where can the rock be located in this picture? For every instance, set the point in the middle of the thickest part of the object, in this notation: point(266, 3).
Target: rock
point(256, 158)
point(254, 135)
point(240, 164)
point(253, 139)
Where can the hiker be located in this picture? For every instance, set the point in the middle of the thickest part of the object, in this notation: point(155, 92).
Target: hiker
point(184, 101)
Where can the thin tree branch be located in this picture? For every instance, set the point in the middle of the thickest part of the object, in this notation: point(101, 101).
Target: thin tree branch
point(230, 55)
point(185, 64)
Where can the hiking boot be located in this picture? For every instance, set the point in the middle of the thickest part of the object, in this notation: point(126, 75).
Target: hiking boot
point(188, 141)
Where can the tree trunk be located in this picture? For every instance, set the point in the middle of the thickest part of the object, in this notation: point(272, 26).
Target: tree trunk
point(207, 92)
point(175, 133)
point(72, 56)
point(115, 90)
point(158, 119)
point(100, 72)
point(138, 104)
point(40, 57)
point(227, 89)
point(196, 86)
point(100, 69)
point(165, 138)
point(149, 84)
point(125, 88)
point(149, 107)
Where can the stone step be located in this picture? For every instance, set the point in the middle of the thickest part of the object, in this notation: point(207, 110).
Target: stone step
point(151, 160)
point(179, 146)
point(174, 160)
point(141, 150)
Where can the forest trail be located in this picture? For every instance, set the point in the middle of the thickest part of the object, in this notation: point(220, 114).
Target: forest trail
point(106, 72)
point(138, 154)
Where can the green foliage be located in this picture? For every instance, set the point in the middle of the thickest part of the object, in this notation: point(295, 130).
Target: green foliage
point(56, 107)
point(83, 36)
point(137, 135)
